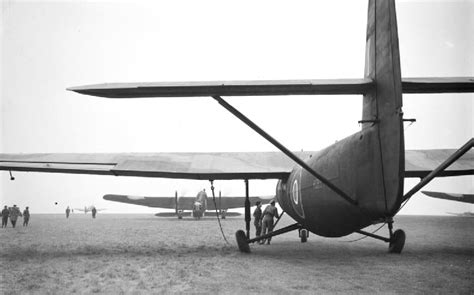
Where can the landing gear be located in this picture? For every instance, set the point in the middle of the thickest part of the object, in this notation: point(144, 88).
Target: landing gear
point(242, 241)
point(397, 241)
point(303, 235)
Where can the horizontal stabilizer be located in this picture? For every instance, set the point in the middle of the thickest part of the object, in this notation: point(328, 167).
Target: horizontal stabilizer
point(270, 87)
point(438, 85)
point(465, 198)
point(227, 88)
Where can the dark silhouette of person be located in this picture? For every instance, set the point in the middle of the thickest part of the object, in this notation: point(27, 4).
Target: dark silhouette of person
point(94, 212)
point(67, 212)
point(257, 215)
point(26, 216)
point(5, 214)
point(14, 214)
point(267, 224)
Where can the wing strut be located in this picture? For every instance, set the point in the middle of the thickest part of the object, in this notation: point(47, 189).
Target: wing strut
point(464, 149)
point(282, 148)
point(247, 209)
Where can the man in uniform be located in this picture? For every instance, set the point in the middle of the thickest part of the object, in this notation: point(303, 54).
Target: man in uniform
point(5, 214)
point(14, 213)
point(257, 215)
point(267, 224)
point(26, 216)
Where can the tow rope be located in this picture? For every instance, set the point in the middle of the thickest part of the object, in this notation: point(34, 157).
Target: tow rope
point(217, 213)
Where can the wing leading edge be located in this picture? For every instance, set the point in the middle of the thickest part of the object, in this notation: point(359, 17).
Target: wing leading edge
point(270, 87)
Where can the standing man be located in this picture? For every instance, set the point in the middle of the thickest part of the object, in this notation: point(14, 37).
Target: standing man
point(94, 212)
point(268, 214)
point(5, 214)
point(26, 216)
point(14, 213)
point(257, 216)
point(67, 212)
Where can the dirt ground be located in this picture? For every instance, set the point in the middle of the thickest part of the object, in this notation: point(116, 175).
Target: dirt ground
point(141, 254)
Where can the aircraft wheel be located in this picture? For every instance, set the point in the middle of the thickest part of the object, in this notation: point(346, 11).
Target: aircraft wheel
point(242, 241)
point(304, 235)
point(397, 242)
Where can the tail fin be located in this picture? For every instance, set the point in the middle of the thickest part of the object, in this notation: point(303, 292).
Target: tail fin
point(382, 106)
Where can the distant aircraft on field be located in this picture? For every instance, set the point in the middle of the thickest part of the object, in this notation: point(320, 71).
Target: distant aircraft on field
point(198, 206)
point(465, 198)
point(88, 209)
point(464, 214)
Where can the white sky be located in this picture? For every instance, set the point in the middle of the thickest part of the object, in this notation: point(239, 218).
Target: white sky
point(49, 46)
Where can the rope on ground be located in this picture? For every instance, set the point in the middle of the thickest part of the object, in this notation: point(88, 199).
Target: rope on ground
point(217, 213)
point(359, 239)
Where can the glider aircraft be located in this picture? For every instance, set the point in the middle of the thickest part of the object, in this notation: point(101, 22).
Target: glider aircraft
point(465, 198)
point(356, 182)
point(199, 205)
point(88, 209)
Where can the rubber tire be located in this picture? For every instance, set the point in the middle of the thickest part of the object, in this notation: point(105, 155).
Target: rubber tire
point(397, 242)
point(242, 241)
point(304, 236)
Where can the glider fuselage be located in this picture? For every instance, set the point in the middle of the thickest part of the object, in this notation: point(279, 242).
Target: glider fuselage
point(367, 166)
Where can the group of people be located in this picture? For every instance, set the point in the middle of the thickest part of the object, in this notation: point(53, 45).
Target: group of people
point(263, 221)
point(13, 213)
point(93, 210)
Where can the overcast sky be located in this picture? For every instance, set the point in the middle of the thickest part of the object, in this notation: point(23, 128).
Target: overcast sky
point(49, 46)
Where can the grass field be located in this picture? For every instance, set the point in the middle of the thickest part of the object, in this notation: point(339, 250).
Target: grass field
point(139, 254)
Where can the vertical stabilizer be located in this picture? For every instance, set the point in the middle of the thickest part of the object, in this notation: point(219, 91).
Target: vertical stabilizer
point(383, 105)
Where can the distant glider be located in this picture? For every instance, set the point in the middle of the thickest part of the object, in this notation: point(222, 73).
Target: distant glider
point(199, 206)
point(87, 209)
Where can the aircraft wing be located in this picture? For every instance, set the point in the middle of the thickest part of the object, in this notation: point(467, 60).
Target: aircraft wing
point(466, 198)
point(419, 163)
point(235, 202)
point(256, 165)
point(250, 165)
point(184, 203)
point(270, 87)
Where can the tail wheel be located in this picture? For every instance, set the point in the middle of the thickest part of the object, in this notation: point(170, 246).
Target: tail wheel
point(397, 241)
point(303, 235)
point(242, 241)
